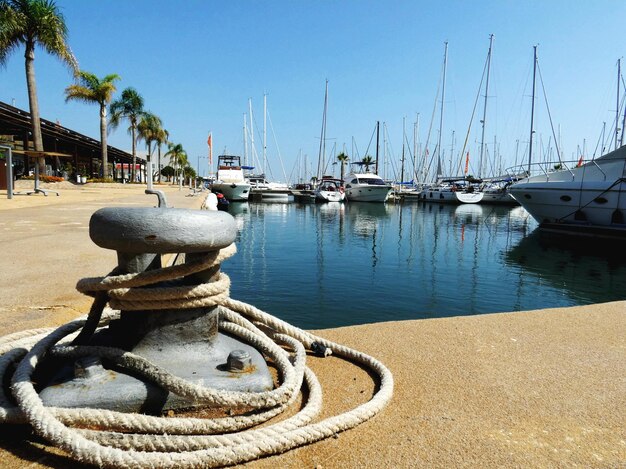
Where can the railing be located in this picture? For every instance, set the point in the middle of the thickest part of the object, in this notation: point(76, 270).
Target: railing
point(547, 168)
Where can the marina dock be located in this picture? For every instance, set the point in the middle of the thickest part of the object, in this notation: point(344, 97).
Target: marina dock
point(537, 388)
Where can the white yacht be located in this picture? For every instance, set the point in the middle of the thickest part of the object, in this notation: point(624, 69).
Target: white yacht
point(366, 187)
point(589, 198)
point(272, 191)
point(230, 179)
point(329, 190)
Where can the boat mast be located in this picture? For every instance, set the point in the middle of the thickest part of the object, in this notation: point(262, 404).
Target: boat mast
point(532, 111)
point(264, 132)
point(451, 153)
point(619, 71)
point(621, 140)
point(245, 140)
point(416, 127)
point(443, 100)
point(497, 163)
point(385, 161)
point(402, 162)
point(252, 130)
point(320, 160)
point(482, 138)
point(377, 145)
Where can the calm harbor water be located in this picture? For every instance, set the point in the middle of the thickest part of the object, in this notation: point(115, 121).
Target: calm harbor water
point(330, 265)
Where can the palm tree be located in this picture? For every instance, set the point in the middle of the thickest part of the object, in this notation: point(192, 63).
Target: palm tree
point(148, 129)
point(161, 138)
point(178, 158)
point(367, 161)
point(342, 158)
point(31, 23)
point(91, 89)
point(130, 107)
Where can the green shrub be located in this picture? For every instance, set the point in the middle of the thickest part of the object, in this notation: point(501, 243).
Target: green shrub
point(45, 178)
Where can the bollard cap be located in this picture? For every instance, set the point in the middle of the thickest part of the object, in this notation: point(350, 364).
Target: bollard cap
point(161, 230)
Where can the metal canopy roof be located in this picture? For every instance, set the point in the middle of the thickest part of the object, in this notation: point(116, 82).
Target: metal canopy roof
point(16, 122)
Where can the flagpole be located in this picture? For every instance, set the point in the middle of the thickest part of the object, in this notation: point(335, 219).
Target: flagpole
point(210, 145)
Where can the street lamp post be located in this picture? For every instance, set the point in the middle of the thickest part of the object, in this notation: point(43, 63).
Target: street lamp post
point(199, 175)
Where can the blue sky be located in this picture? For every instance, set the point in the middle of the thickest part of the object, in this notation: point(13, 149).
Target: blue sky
point(196, 63)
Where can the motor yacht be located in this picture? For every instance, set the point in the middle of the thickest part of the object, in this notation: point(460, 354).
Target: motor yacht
point(230, 179)
point(366, 187)
point(588, 198)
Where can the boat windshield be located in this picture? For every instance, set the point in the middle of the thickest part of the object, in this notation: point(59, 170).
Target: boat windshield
point(372, 181)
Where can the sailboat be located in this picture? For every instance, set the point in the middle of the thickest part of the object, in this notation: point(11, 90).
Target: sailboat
point(327, 188)
point(451, 190)
point(584, 198)
point(261, 187)
point(473, 192)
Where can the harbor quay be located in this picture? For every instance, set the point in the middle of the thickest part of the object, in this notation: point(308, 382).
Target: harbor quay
point(541, 388)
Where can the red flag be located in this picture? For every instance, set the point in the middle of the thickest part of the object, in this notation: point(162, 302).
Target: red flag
point(580, 162)
point(209, 142)
point(467, 163)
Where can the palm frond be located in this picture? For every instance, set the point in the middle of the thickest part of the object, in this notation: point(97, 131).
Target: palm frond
point(79, 93)
point(47, 28)
point(12, 28)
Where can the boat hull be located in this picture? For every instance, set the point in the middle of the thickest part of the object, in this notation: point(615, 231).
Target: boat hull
point(566, 204)
point(367, 193)
point(234, 192)
point(451, 197)
point(498, 198)
point(329, 196)
point(275, 195)
point(469, 197)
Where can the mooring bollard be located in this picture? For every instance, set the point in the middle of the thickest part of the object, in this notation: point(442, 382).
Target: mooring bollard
point(182, 341)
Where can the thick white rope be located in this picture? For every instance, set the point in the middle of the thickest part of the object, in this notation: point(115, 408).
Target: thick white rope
point(136, 440)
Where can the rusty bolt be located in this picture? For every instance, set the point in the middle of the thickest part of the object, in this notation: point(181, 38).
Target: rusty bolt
point(238, 361)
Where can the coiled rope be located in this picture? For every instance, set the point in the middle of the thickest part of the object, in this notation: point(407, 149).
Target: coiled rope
point(137, 440)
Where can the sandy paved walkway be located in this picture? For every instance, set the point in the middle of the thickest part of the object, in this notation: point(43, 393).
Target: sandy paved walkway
point(533, 389)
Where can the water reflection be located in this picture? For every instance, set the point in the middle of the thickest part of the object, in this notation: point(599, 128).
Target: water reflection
point(337, 264)
point(587, 272)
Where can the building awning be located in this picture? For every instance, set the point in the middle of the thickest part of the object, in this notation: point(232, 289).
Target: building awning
point(42, 154)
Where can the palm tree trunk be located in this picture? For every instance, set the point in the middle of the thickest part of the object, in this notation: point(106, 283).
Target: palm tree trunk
point(149, 167)
point(159, 168)
point(29, 57)
point(103, 140)
point(132, 132)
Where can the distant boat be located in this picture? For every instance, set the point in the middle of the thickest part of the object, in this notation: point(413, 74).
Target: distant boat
point(497, 192)
point(329, 190)
point(230, 180)
point(452, 191)
point(365, 187)
point(260, 186)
